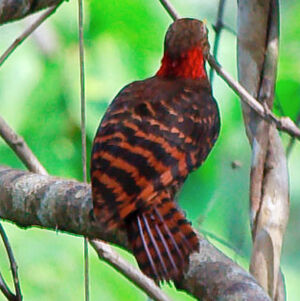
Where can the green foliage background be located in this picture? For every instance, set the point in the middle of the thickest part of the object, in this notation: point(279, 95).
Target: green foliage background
point(39, 98)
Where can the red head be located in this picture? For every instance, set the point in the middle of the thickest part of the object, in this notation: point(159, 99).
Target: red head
point(186, 48)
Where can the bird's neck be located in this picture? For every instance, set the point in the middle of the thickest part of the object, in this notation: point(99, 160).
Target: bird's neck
point(190, 64)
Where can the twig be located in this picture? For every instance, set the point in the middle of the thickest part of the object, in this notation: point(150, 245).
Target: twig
point(83, 136)
point(13, 264)
point(27, 32)
point(5, 290)
point(170, 9)
point(292, 139)
point(284, 124)
point(106, 252)
point(19, 146)
point(218, 29)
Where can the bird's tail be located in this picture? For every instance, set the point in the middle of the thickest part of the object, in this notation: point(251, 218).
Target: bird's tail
point(162, 240)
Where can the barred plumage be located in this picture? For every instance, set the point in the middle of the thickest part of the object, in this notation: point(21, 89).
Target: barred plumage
point(154, 133)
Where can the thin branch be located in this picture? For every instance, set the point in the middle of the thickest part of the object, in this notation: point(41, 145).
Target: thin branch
point(170, 9)
point(83, 136)
point(19, 146)
point(27, 33)
point(292, 139)
point(218, 29)
point(13, 264)
point(29, 199)
point(5, 290)
point(284, 124)
point(107, 253)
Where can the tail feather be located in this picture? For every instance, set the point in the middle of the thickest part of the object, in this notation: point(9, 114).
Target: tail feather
point(162, 240)
point(162, 266)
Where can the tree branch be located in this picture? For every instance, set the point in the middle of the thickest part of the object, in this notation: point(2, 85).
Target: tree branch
point(106, 252)
point(284, 124)
point(258, 35)
point(28, 31)
point(20, 147)
point(5, 290)
point(11, 10)
point(29, 199)
point(170, 9)
point(13, 264)
point(218, 29)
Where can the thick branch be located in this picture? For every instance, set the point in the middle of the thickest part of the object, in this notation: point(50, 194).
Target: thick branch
point(30, 199)
point(11, 10)
point(258, 35)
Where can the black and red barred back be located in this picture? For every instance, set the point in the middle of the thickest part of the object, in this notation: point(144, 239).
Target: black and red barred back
point(154, 133)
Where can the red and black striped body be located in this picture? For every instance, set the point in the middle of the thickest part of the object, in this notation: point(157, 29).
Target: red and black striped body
point(154, 133)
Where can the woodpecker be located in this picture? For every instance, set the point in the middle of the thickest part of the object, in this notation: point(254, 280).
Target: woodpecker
point(154, 133)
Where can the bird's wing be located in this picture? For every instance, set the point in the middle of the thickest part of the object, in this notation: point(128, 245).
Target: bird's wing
point(148, 141)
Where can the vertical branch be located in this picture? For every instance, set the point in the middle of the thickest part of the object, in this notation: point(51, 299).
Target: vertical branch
point(218, 29)
point(269, 198)
point(83, 135)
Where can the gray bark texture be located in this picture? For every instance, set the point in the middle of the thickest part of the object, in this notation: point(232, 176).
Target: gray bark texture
point(12, 10)
point(30, 199)
point(258, 36)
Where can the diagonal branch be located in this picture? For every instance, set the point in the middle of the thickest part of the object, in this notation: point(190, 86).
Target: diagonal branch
point(29, 199)
point(28, 31)
point(170, 9)
point(5, 290)
point(284, 124)
point(105, 252)
point(20, 147)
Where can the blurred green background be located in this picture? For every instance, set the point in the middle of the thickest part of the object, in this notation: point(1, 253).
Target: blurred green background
point(39, 98)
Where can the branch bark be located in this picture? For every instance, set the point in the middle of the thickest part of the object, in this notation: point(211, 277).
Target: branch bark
point(105, 252)
point(27, 32)
point(29, 199)
point(13, 265)
point(12, 10)
point(258, 32)
point(20, 147)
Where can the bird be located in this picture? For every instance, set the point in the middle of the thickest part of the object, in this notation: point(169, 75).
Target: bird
point(153, 135)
